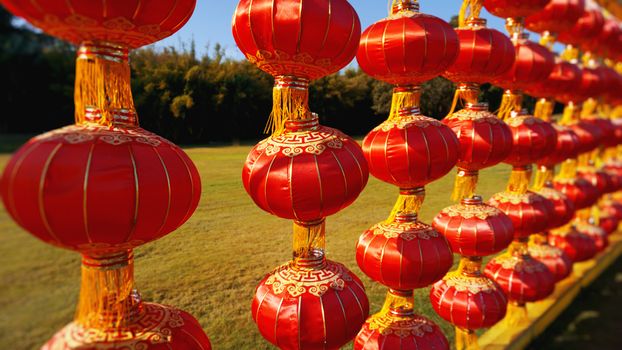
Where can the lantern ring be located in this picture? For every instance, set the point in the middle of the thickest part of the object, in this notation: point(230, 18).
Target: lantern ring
point(108, 262)
point(291, 82)
point(107, 51)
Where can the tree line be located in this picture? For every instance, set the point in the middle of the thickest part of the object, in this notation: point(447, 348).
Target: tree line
point(185, 97)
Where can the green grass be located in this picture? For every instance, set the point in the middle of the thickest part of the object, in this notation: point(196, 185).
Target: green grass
point(209, 267)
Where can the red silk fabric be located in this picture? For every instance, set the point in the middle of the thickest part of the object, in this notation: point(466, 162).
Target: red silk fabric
point(567, 147)
point(533, 139)
point(297, 308)
point(514, 8)
point(557, 17)
point(307, 175)
point(484, 55)
point(608, 222)
point(158, 327)
point(485, 141)
point(612, 84)
point(562, 81)
point(407, 49)
point(563, 207)
point(308, 39)
point(612, 208)
point(469, 303)
point(600, 179)
point(608, 40)
point(403, 255)
point(555, 259)
point(581, 192)
point(98, 190)
point(578, 246)
point(411, 151)
point(413, 333)
point(586, 29)
point(475, 229)
point(529, 212)
point(533, 64)
point(522, 279)
point(614, 170)
point(132, 23)
point(596, 233)
point(590, 136)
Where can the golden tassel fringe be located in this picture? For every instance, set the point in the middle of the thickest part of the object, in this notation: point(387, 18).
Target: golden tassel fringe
point(516, 315)
point(398, 300)
point(404, 97)
point(469, 9)
point(290, 102)
point(519, 180)
point(543, 175)
point(544, 109)
point(464, 185)
point(569, 116)
point(106, 291)
point(589, 108)
point(101, 82)
point(568, 169)
point(510, 102)
point(309, 242)
point(570, 54)
point(465, 93)
point(466, 339)
point(409, 201)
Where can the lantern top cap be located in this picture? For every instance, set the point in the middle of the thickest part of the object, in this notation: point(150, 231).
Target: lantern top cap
point(479, 106)
point(404, 5)
point(476, 22)
point(475, 200)
point(406, 217)
point(409, 111)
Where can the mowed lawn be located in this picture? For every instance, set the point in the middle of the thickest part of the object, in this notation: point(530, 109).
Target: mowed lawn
point(209, 267)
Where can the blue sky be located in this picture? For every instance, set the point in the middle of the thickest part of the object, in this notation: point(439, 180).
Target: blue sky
point(211, 21)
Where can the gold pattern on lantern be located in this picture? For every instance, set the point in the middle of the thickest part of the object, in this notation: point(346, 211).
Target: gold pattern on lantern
point(514, 198)
point(474, 115)
point(472, 284)
point(292, 144)
point(482, 212)
point(296, 281)
point(407, 231)
point(403, 327)
point(403, 122)
point(113, 135)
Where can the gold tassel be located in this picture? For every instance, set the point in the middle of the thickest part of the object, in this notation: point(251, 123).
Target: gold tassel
point(466, 93)
point(470, 9)
point(102, 81)
point(589, 108)
point(409, 201)
point(309, 243)
point(568, 169)
point(569, 117)
point(544, 109)
point(401, 301)
point(404, 97)
point(510, 102)
point(290, 102)
point(106, 291)
point(570, 54)
point(519, 180)
point(464, 185)
point(466, 339)
point(516, 315)
point(543, 176)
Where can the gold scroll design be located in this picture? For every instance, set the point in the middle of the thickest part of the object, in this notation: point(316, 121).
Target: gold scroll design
point(300, 65)
point(154, 325)
point(544, 251)
point(296, 281)
point(471, 284)
point(408, 121)
point(589, 229)
point(551, 194)
point(407, 231)
point(113, 135)
point(481, 212)
point(292, 144)
point(77, 28)
point(523, 120)
point(474, 116)
point(519, 264)
point(402, 327)
point(514, 198)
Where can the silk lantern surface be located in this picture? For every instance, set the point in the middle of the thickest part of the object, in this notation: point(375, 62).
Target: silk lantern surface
point(596, 233)
point(533, 64)
point(558, 16)
point(567, 147)
point(533, 139)
point(132, 23)
point(555, 259)
point(563, 207)
point(523, 279)
point(587, 28)
point(99, 189)
point(578, 246)
point(387, 333)
point(563, 80)
point(582, 193)
point(514, 8)
point(295, 37)
point(529, 212)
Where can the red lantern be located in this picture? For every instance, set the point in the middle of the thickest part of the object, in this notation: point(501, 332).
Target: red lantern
point(587, 28)
point(474, 228)
point(283, 37)
point(555, 259)
point(564, 79)
point(398, 148)
point(608, 222)
point(533, 139)
point(130, 23)
point(596, 233)
point(557, 17)
point(607, 41)
point(155, 323)
point(405, 254)
point(534, 63)
point(308, 296)
point(484, 54)
point(591, 85)
point(408, 333)
point(468, 302)
point(582, 193)
point(529, 212)
point(578, 246)
point(409, 48)
point(567, 147)
point(563, 207)
point(522, 278)
point(485, 141)
point(612, 208)
point(309, 188)
point(514, 8)
point(589, 135)
point(598, 178)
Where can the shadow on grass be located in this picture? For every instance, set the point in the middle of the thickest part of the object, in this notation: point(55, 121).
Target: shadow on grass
point(593, 321)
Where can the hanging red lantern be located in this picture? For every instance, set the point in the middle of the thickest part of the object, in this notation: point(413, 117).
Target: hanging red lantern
point(596, 233)
point(529, 212)
point(582, 193)
point(555, 260)
point(514, 8)
point(475, 229)
point(558, 16)
point(587, 28)
point(612, 207)
point(606, 43)
point(396, 149)
point(600, 179)
point(405, 254)
point(564, 78)
point(567, 147)
point(590, 136)
point(578, 246)
point(608, 222)
point(534, 63)
point(129, 23)
point(563, 207)
point(533, 139)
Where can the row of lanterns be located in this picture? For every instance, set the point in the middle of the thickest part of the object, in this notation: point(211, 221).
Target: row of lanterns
point(104, 186)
